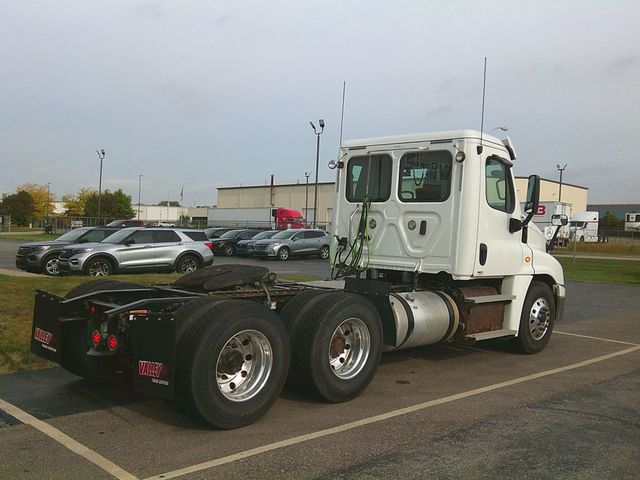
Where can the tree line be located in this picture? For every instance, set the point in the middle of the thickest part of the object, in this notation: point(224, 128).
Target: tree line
point(33, 202)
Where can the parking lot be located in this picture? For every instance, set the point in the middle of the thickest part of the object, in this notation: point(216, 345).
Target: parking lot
point(446, 411)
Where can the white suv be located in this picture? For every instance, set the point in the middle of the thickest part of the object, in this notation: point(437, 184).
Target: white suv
point(139, 249)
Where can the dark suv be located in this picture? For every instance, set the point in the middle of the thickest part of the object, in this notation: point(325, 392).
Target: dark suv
point(226, 243)
point(43, 256)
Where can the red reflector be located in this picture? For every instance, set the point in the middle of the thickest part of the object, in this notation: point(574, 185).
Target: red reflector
point(95, 338)
point(92, 309)
point(112, 342)
point(209, 244)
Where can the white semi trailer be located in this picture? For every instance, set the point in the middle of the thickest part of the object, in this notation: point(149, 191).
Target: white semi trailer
point(433, 247)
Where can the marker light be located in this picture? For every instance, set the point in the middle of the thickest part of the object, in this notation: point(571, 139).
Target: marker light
point(93, 309)
point(95, 338)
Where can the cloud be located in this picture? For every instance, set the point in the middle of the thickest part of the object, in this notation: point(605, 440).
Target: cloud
point(440, 110)
point(621, 64)
point(150, 10)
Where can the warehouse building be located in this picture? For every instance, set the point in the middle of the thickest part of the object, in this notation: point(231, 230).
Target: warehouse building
point(300, 196)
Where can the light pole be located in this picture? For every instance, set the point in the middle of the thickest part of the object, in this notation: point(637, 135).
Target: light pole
point(47, 207)
point(101, 154)
point(306, 196)
point(315, 196)
point(561, 169)
point(139, 190)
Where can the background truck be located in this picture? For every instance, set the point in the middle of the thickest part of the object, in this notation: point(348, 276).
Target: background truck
point(266, 218)
point(584, 226)
point(543, 220)
point(431, 243)
point(632, 222)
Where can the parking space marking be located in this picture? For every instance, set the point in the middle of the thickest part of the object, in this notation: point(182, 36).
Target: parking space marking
point(66, 441)
point(597, 338)
point(384, 416)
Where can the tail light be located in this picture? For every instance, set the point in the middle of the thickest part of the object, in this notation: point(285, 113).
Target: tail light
point(210, 245)
point(112, 343)
point(93, 309)
point(95, 338)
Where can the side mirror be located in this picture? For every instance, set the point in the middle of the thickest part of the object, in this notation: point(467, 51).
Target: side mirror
point(128, 242)
point(559, 220)
point(533, 199)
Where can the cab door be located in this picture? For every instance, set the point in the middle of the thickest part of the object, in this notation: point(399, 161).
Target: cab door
point(499, 251)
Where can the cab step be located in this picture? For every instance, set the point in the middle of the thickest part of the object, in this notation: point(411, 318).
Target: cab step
point(492, 334)
point(489, 299)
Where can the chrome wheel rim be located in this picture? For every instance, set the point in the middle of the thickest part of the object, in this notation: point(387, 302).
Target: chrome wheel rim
point(52, 266)
point(99, 269)
point(539, 318)
point(324, 253)
point(349, 348)
point(283, 253)
point(244, 365)
point(189, 265)
point(228, 251)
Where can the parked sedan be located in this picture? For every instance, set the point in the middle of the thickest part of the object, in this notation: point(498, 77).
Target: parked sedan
point(43, 256)
point(294, 242)
point(226, 244)
point(140, 249)
point(245, 247)
point(216, 232)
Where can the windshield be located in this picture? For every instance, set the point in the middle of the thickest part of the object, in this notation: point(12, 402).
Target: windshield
point(285, 234)
point(73, 235)
point(119, 235)
point(263, 235)
point(231, 234)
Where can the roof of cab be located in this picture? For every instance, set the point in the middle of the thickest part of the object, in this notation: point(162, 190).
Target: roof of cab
point(422, 137)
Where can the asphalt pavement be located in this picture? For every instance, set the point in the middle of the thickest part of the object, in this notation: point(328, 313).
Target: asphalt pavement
point(445, 411)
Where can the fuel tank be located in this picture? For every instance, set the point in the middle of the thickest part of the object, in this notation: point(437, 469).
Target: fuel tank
point(423, 318)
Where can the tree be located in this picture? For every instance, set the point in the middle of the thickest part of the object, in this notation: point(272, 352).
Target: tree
point(610, 222)
point(112, 205)
point(42, 198)
point(172, 203)
point(20, 206)
point(75, 204)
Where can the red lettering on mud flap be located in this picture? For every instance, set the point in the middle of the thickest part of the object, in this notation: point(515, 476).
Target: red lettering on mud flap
point(42, 336)
point(150, 369)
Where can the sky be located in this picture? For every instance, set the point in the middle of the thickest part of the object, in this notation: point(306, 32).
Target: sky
point(196, 95)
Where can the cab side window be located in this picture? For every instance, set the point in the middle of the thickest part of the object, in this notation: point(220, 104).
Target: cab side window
point(141, 236)
point(499, 190)
point(425, 176)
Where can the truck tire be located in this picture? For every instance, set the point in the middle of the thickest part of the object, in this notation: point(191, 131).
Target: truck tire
point(187, 264)
point(50, 265)
point(293, 311)
point(283, 253)
point(537, 319)
point(190, 311)
point(99, 267)
point(231, 364)
point(74, 357)
point(337, 345)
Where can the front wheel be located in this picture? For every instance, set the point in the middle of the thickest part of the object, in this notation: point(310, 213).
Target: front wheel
point(283, 253)
point(50, 265)
point(231, 364)
point(98, 267)
point(324, 252)
point(537, 319)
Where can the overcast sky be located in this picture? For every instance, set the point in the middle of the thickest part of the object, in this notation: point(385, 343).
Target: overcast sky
point(204, 94)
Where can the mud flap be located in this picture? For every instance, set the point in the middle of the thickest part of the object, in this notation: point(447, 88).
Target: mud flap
point(46, 338)
point(153, 351)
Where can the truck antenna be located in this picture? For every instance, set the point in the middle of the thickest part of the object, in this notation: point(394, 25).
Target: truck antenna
point(484, 85)
point(344, 88)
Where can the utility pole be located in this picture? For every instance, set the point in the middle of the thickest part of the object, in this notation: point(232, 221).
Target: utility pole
point(306, 197)
point(47, 207)
point(101, 154)
point(139, 190)
point(315, 197)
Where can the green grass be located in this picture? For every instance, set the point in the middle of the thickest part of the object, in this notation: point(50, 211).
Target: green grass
point(28, 237)
point(601, 271)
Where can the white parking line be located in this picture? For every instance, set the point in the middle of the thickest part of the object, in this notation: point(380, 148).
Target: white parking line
point(66, 441)
point(596, 338)
point(385, 416)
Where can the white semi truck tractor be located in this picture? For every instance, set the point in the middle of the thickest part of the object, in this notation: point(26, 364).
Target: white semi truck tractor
point(432, 245)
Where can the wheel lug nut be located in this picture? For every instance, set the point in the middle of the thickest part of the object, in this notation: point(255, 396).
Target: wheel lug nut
point(243, 373)
point(232, 386)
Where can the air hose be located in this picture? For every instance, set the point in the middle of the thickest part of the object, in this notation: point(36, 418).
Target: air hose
point(348, 257)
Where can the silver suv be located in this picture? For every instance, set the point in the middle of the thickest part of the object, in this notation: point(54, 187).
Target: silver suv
point(139, 249)
point(294, 242)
